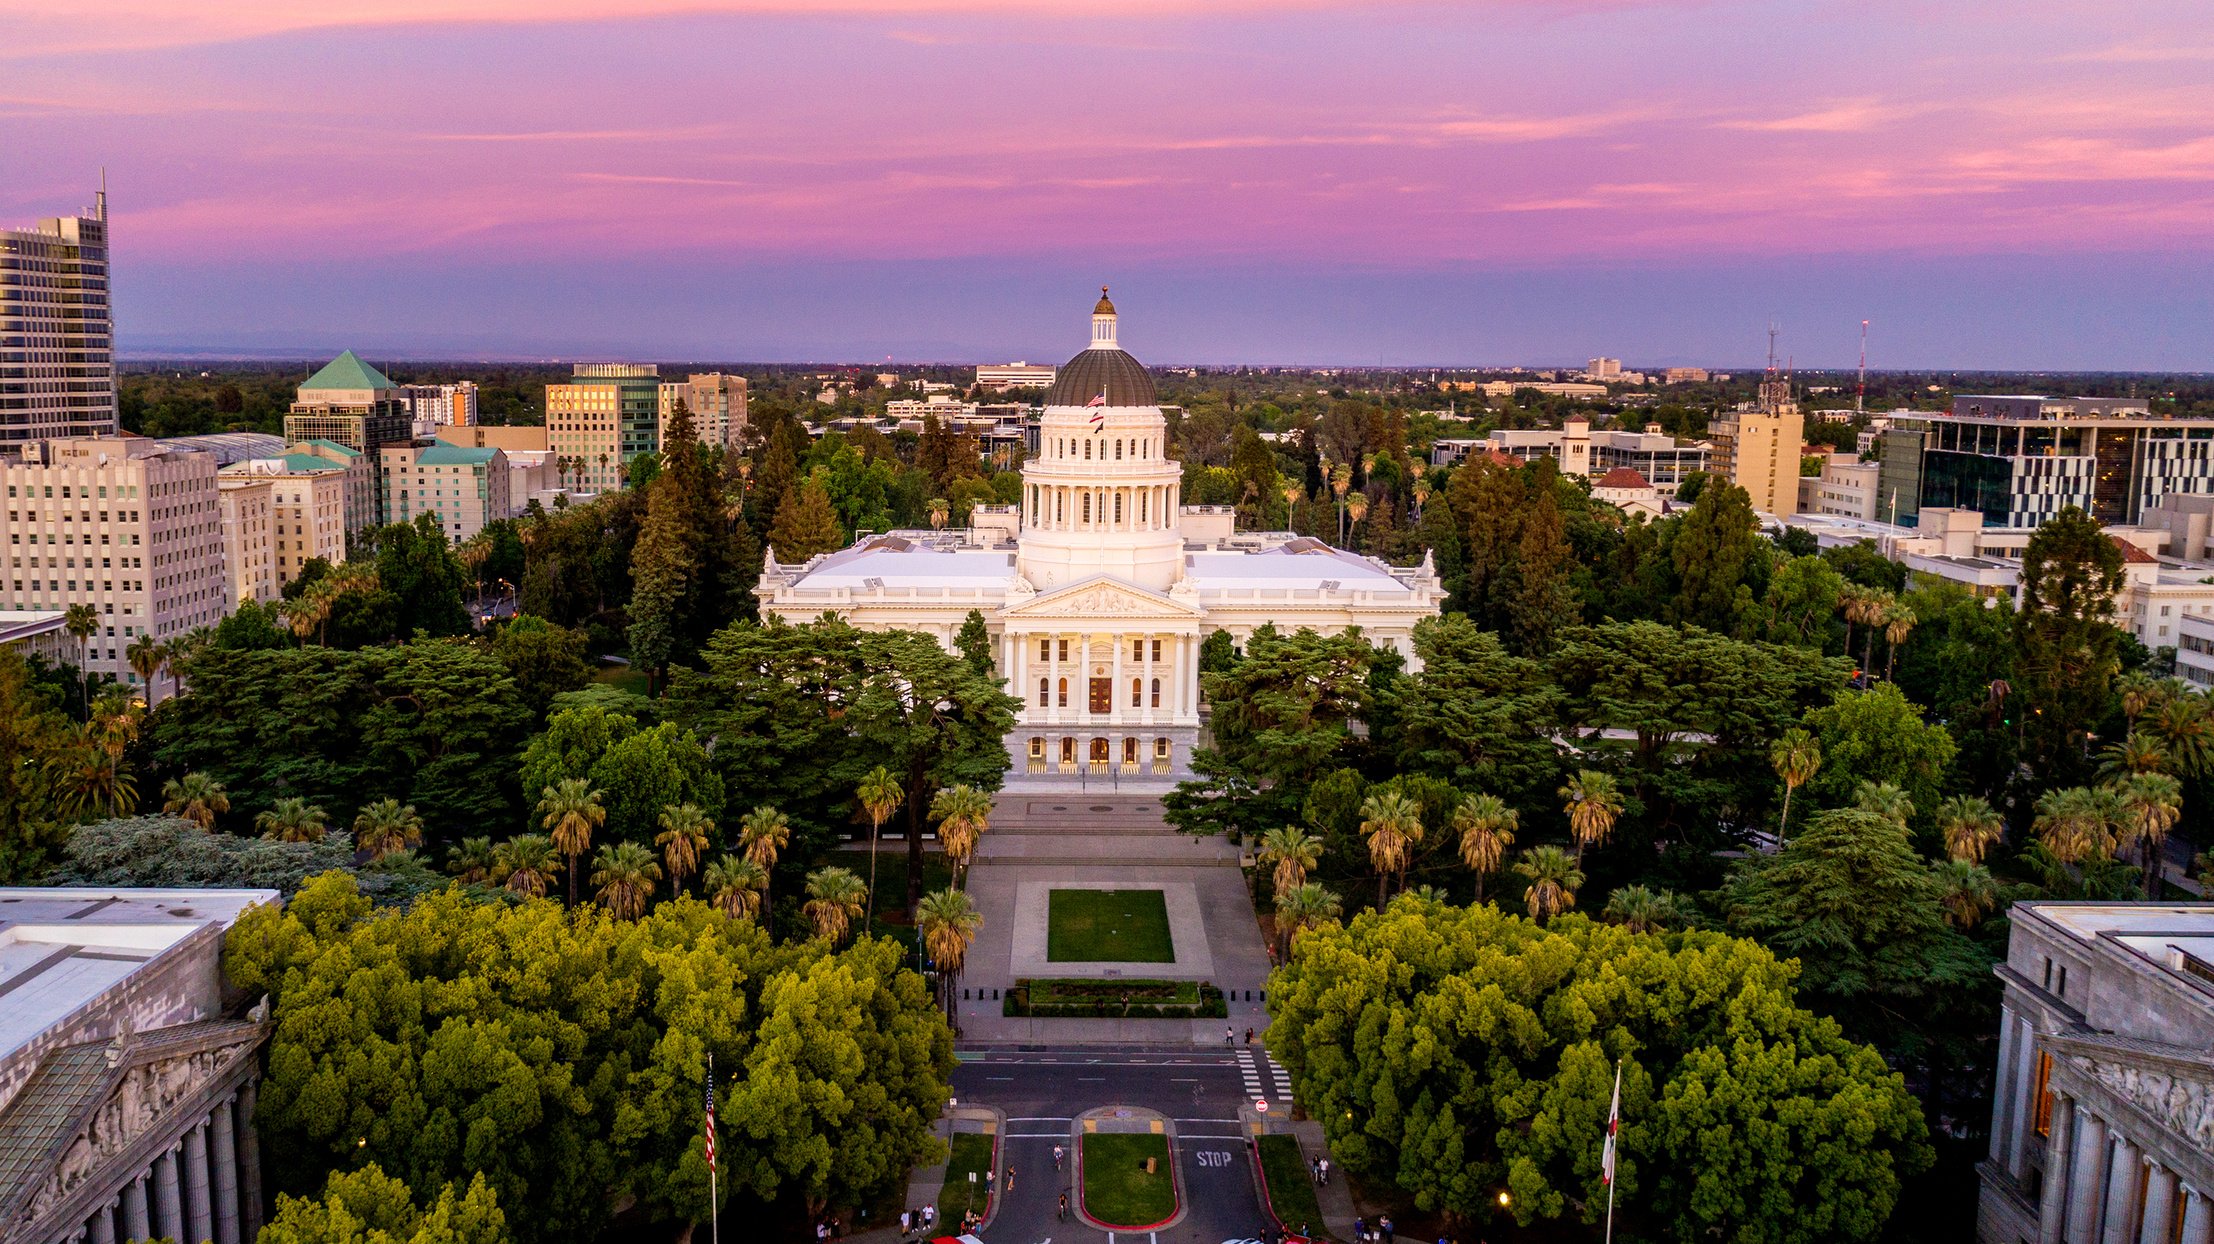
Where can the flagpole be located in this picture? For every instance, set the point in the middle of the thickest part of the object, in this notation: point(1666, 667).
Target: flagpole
point(714, 1197)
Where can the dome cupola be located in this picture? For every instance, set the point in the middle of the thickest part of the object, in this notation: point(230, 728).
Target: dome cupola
point(1104, 370)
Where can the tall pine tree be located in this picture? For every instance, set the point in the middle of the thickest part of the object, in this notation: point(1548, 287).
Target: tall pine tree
point(805, 524)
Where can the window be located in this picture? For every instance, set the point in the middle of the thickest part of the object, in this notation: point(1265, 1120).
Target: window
point(1041, 693)
point(2042, 1122)
point(1037, 749)
point(1118, 507)
point(1137, 650)
point(1102, 699)
point(1160, 749)
point(1087, 507)
point(1130, 751)
point(1137, 693)
point(1156, 649)
point(1064, 650)
point(1063, 692)
point(1156, 693)
point(1045, 649)
point(1068, 751)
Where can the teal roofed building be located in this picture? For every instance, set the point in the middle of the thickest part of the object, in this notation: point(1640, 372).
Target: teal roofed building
point(349, 405)
point(464, 488)
point(346, 374)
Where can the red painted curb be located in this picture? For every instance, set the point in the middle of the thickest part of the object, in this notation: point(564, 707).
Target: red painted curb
point(1176, 1190)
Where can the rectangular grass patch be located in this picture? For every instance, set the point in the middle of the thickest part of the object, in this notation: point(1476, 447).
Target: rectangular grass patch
point(1108, 926)
point(972, 1151)
point(1291, 1186)
point(1117, 1189)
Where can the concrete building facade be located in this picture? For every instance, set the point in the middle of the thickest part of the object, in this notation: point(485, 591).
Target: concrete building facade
point(2102, 1127)
point(123, 525)
point(250, 537)
point(307, 497)
point(717, 401)
point(1016, 375)
point(464, 488)
point(608, 414)
point(1757, 448)
point(57, 331)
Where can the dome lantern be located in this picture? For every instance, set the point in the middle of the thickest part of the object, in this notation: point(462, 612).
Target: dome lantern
point(1103, 323)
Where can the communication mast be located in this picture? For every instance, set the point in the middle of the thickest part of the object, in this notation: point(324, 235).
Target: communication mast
point(1860, 393)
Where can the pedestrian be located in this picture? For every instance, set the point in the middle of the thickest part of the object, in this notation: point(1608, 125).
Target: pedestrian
point(1062, 1213)
point(1383, 1227)
point(1314, 1169)
point(1249, 1038)
point(906, 1219)
point(1360, 1229)
point(1058, 1153)
point(1010, 1189)
point(929, 1215)
point(1302, 1230)
point(1325, 1170)
point(1229, 1036)
point(991, 1181)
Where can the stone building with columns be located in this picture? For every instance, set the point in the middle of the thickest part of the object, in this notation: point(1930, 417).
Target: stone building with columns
point(1100, 587)
point(2102, 1127)
point(127, 1069)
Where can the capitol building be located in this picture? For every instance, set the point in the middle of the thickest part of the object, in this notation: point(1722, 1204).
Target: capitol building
point(1101, 586)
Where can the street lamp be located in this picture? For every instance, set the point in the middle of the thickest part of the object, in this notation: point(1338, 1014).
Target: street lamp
point(1504, 1199)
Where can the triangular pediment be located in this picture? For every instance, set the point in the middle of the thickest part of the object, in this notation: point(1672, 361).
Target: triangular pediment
point(1102, 596)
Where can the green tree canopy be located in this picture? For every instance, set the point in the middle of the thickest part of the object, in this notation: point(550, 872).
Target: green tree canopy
point(367, 1206)
point(561, 1057)
point(1877, 735)
point(1460, 1052)
point(1477, 716)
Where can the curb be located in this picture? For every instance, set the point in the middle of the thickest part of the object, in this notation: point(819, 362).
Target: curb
point(1176, 1177)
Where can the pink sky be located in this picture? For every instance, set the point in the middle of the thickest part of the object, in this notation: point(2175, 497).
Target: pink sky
point(1368, 136)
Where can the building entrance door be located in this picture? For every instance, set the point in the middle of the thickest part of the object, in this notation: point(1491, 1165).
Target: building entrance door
point(1099, 755)
point(1103, 699)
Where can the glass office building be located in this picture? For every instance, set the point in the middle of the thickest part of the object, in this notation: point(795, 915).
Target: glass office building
point(2020, 460)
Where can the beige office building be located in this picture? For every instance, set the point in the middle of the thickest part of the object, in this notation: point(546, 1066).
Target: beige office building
point(1757, 448)
point(718, 405)
point(250, 537)
point(608, 414)
point(123, 524)
point(308, 503)
point(463, 488)
point(363, 504)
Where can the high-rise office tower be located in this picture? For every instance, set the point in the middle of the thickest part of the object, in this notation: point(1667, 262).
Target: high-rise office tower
point(57, 334)
point(608, 414)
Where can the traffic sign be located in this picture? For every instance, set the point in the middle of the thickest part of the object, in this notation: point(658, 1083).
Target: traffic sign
point(1260, 1105)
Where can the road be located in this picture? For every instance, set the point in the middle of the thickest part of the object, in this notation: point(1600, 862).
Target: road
point(1042, 1092)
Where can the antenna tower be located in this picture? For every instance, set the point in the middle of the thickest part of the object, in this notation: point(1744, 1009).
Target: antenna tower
point(1860, 393)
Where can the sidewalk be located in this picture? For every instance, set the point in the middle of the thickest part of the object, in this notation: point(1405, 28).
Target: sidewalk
point(1335, 1198)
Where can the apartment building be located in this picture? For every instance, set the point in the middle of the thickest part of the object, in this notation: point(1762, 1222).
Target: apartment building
point(441, 405)
point(250, 537)
point(1684, 375)
point(123, 525)
point(363, 506)
point(1757, 448)
point(352, 404)
point(607, 415)
point(464, 488)
point(307, 499)
point(57, 331)
point(1846, 487)
point(718, 405)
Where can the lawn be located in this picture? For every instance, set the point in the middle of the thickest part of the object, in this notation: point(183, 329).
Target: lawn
point(1117, 1190)
point(1291, 1186)
point(1113, 926)
point(625, 678)
point(972, 1151)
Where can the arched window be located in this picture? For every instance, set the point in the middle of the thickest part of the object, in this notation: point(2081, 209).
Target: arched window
point(1087, 507)
point(1041, 693)
point(1063, 692)
point(1141, 504)
point(1118, 449)
point(1087, 449)
point(1118, 507)
point(1130, 751)
point(1137, 694)
point(1057, 511)
point(1156, 693)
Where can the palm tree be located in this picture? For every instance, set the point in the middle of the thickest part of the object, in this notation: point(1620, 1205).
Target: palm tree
point(1292, 851)
point(2183, 728)
point(387, 826)
point(92, 780)
point(113, 725)
point(83, 622)
point(1970, 825)
point(761, 834)
point(1797, 758)
point(1898, 623)
point(1966, 891)
point(1592, 801)
point(1553, 879)
point(147, 655)
point(570, 810)
point(473, 860)
point(1641, 909)
point(834, 898)
point(196, 797)
point(292, 820)
point(880, 796)
point(940, 511)
point(735, 883)
point(948, 923)
point(683, 841)
point(1486, 826)
point(963, 814)
point(1884, 799)
point(1304, 906)
point(526, 863)
point(624, 874)
point(2138, 752)
point(1392, 822)
point(2151, 803)
point(2073, 824)
point(1869, 607)
point(2138, 692)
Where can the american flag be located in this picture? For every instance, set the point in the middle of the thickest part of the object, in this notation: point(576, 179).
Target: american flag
point(1614, 1124)
point(1097, 403)
point(711, 1116)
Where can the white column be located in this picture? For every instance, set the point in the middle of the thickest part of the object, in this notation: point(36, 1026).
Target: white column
point(1115, 701)
point(2059, 1143)
point(168, 1198)
point(249, 1163)
point(2024, 1105)
point(199, 1205)
point(2125, 1164)
point(2198, 1218)
point(2004, 1115)
point(2160, 1205)
point(2087, 1178)
point(225, 1157)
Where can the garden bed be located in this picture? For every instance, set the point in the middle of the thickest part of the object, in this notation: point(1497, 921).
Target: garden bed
point(1118, 1190)
point(1061, 998)
point(1289, 1184)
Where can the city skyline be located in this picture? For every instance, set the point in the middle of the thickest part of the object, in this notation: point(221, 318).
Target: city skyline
point(1321, 183)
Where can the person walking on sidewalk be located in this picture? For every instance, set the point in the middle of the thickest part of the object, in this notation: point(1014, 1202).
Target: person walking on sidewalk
point(1249, 1038)
point(1061, 1214)
point(1229, 1036)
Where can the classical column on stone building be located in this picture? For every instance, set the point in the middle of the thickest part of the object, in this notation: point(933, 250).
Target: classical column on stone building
point(2126, 1165)
point(199, 1204)
point(2059, 1142)
point(2160, 1204)
point(168, 1196)
point(138, 1221)
point(103, 1224)
point(225, 1138)
point(2198, 1217)
point(249, 1162)
point(2087, 1178)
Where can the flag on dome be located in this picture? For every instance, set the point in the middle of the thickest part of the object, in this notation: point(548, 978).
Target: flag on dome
point(1614, 1125)
point(1097, 406)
